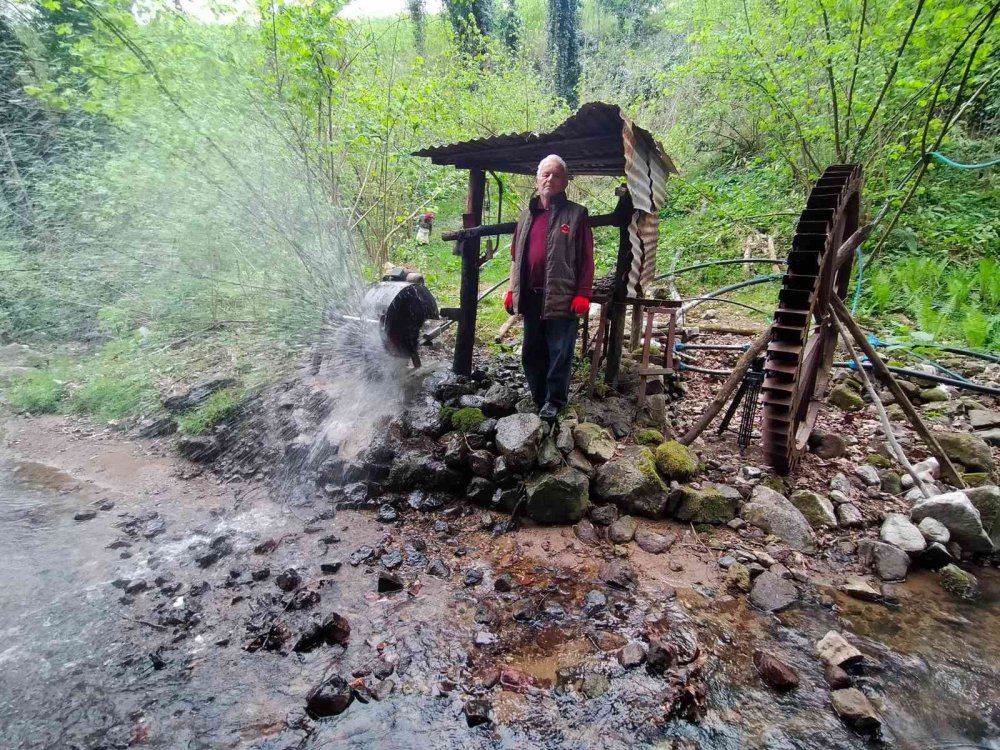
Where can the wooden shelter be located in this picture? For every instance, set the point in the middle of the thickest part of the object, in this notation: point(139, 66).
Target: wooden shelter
point(599, 139)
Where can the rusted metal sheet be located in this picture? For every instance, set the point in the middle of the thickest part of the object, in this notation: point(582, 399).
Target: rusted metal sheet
point(643, 232)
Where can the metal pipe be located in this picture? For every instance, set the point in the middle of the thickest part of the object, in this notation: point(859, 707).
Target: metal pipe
point(729, 262)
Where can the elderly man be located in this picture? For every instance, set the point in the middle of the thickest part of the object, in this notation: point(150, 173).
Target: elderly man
point(551, 278)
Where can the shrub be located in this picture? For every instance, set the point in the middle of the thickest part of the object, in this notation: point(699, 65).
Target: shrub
point(36, 393)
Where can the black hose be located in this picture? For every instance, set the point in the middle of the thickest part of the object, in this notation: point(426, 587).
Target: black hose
point(961, 385)
point(970, 353)
point(730, 262)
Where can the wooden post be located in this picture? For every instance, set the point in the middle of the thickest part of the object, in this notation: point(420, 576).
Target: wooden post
point(616, 336)
point(947, 467)
point(469, 291)
point(636, 334)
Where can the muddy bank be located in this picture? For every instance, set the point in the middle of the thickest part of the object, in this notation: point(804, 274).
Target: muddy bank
point(181, 629)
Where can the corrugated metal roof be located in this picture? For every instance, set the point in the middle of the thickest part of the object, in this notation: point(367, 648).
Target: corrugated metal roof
point(598, 140)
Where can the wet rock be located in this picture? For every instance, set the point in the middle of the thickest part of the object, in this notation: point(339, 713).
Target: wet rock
point(967, 449)
point(553, 610)
point(518, 437)
point(849, 517)
point(706, 505)
point(85, 515)
point(524, 610)
point(418, 468)
point(774, 671)
point(827, 445)
point(868, 475)
point(887, 561)
point(661, 655)
point(623, 530)
point(478, 711)
point(846, 399)
point(957, 513)
point(481, 463)
point(288, 580)
point(386, 513)
point(936, 556)
point(560, 497)
point(959, 582)
point(197, 393)
point(549, 456)
point(456, 450)
point(480, 491)
point(329, 568)
point(818, 510)
point(899, 532)
point(594, 442)
point(986, 499)
point(855, 710)
point(199, 448)
point(438, 568)
point(499, 400)
point(860, 590)
point(594, 603)
point(424, 419)
point(586, 532)
point(633, 654)
point(836, 677)
point(504, 583)
point(424, 501)
point(834, 650)
point(330, 698)
point(772, 512)
point(604, 515)
point(389, 583)
point(771, 593)
point(595, 685)
point(652, 542)
point(617, 574)
point(675, 461)
point(738, 577)
point(632, 483)
point(391, 559)
point(472, 577)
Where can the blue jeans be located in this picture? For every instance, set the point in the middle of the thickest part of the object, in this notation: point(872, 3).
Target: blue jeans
point(547, 352)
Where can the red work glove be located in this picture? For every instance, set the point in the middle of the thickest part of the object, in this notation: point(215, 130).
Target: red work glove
point(579, 305)
point(508, 302)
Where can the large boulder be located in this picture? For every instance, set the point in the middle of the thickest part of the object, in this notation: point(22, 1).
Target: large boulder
point(960, 517)
point(887, 561)
point(818, 510)
point(707, 505)
point(631, 483)
point(986, 500)
point(559, 497)
point(518, 437)
point(899, 531)
point(967, 449)
point(676, 461)
point(594, 442)
point(772, 512)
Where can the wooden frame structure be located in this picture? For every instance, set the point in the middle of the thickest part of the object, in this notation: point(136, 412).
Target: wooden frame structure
point(598, 140)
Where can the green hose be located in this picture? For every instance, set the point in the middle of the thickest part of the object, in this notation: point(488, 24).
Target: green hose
point(941, 158)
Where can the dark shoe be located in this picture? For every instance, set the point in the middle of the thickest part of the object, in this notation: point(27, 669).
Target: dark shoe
point(549, 412)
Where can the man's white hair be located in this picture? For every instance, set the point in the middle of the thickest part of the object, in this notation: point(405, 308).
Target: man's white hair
point(557, 159)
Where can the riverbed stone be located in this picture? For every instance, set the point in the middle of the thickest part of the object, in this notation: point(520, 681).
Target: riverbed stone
point(967, 449)
point(549, 456)
point(481, 463)
point(585, 532)
point(934, 531)
point(859, 589)
point(604, 515)
point(984, 419)
point(849, 516)
point(771, 593)
point(772, 512)
point(653, 542)
point(959, 582)
point(631, 483)
point(675, 461)
point(562, 496)
point(623, 530)
point(330, 698)
point(705, 505)
point(846, 399)
point(774, 671)
point(855, 710)
point(518, 437)
point(818, 510)
point(594, 442)
point(868, 475)
point(986, 499)
point(959, 515)
point(827, 445)
point(836, 677)
point(899, 531)
point(887, 561)
point(835, 650)
point(633, 654)
point(499, 400)
point(578, 461)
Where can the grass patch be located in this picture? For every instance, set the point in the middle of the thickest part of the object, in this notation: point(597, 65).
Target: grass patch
point(110, 397)
point(39, 392)
point(215, 410)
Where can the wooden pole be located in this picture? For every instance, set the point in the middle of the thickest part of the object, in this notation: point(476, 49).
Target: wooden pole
point(731, 384)
point(469, 291)
point(616, 336)
point(947, 467)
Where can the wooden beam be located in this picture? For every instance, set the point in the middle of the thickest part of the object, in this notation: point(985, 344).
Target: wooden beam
point(469, 291)
point(601, 220)
point(619, 292)
point(947, 467)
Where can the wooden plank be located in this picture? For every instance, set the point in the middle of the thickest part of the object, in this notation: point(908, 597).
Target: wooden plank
point(644, 363)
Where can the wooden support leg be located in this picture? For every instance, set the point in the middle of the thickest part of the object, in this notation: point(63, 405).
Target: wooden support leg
point(595, 360)
point(947, 467)
point(644, 363)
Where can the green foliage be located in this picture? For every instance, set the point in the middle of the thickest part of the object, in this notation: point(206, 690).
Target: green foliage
point(37, 392)
point(648, 437)
point(564, 49)
point(216, 409)
point(467, 419)
point(446, 413)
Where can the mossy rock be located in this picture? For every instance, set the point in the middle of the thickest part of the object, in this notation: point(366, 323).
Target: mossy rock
point(895, 413)
point(676, 461)
point(645, 461)
point(977, 479)
point(959, 582)
point(467, 419)
point(648, 437)
point(708, 506)
point(846, 398)
point(778, 484)
point(446, 413)
point(818, 510)
point(738, 577)
point(878, 461)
